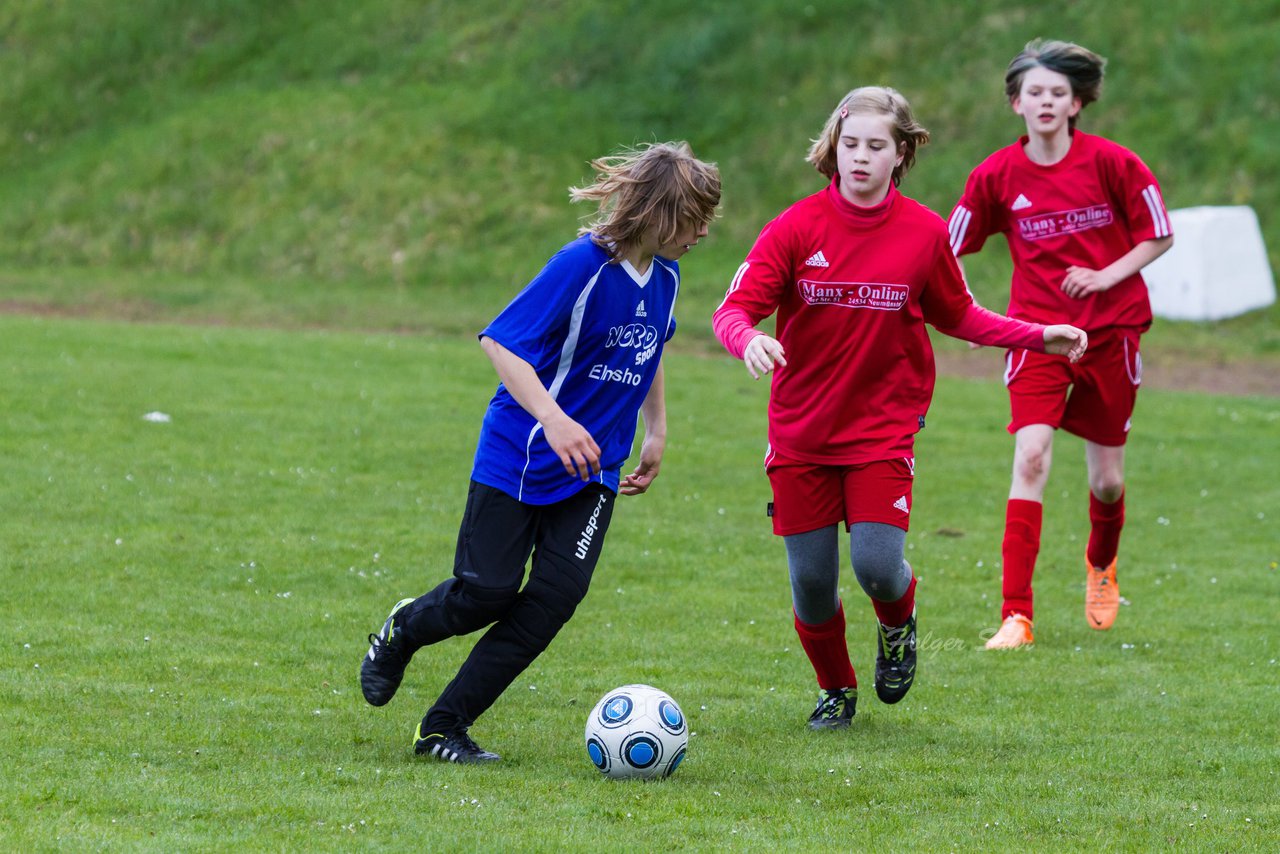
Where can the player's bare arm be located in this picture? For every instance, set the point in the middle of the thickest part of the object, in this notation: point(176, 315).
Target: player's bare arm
point(577, 450)
point(654, 413)
point(1082, 281)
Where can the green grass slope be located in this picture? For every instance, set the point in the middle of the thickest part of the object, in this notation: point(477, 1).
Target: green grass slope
point(156, 155)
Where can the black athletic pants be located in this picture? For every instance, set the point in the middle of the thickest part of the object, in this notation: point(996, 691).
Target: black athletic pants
point(497, 535)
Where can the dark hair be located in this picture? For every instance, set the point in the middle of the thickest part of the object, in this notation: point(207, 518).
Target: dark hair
point(1081, 66)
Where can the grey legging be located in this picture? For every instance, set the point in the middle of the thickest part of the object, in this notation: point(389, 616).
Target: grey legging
point(813, 557)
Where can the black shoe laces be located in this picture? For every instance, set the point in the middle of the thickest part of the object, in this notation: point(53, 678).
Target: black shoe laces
point(464, 743)
point(894, 641)
point(831, 706)
point(382, 647)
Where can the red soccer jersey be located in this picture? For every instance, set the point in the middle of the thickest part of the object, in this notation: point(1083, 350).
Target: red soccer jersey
point(852, 288)
point(1087, 210)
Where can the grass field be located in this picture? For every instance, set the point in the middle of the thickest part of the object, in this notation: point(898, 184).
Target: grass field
point(280, 224)
point(186, 603)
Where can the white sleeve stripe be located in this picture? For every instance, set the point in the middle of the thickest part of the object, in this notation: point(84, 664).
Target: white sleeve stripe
point(959, 226)
point(570, 347)
point(1155, 206)
point(735, 284)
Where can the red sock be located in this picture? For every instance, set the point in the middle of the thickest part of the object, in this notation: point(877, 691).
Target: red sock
point(1106, 521)
point(1021, 546)
point(897, 613)
point(825, 645)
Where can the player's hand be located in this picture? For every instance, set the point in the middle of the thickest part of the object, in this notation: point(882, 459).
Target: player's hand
point(638, 482)
point(1063, 340)
point(1081, 282)
point(762, 355)
point(578, 452)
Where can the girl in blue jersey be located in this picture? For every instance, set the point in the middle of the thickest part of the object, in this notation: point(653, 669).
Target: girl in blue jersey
point(579, 354)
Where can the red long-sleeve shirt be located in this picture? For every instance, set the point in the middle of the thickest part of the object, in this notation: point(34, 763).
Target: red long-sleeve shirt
point(853, 288)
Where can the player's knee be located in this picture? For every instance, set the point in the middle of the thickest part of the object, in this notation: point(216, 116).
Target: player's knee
point(558, 598)
point(812, 593)
point(882, 577)
point(541, 614)
point(1031, 463)
point(1108, 488)
point(875, 550)
point(476, 607)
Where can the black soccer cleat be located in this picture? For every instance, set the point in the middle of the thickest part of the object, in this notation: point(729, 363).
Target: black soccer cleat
point(896, 660)
point(383, 667)
point(835, 709)
point(455, 746)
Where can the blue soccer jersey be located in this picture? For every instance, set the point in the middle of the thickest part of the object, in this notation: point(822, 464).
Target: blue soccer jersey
point(594, 332)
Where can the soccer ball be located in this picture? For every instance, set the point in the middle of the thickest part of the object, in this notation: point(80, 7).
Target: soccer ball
point(636, 731)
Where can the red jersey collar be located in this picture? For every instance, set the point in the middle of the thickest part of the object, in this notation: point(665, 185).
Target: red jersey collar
point(1077, 142)
point(857, 215)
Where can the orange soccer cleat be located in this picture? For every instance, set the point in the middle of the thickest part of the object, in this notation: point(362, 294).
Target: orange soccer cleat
point(1101, 596)
point(1014, 632)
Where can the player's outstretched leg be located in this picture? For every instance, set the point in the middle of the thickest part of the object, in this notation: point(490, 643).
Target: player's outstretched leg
point(383, 666)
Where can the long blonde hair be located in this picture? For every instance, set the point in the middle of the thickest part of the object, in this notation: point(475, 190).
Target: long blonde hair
point(907, 132)
point(658, 186)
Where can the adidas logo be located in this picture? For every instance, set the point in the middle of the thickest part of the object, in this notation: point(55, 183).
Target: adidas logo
point(901, 504)
point(817, 259)
point(1021, 203)
point(640, 312)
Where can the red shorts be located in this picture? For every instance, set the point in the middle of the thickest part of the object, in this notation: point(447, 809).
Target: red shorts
point(807, 497)
point(1093, 398)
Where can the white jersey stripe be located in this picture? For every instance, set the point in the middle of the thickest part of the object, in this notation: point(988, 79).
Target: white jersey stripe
point(733, 285)
point(675, 297)
point(562, 370)
point(1164, 210)
point(1155, 206)
point(958, 226)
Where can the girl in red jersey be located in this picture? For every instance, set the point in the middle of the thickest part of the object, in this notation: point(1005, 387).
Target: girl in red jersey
point(854, 271)
point(1082, 216)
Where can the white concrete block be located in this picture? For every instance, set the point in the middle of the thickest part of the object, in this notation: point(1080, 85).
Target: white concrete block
point(1217, 267)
